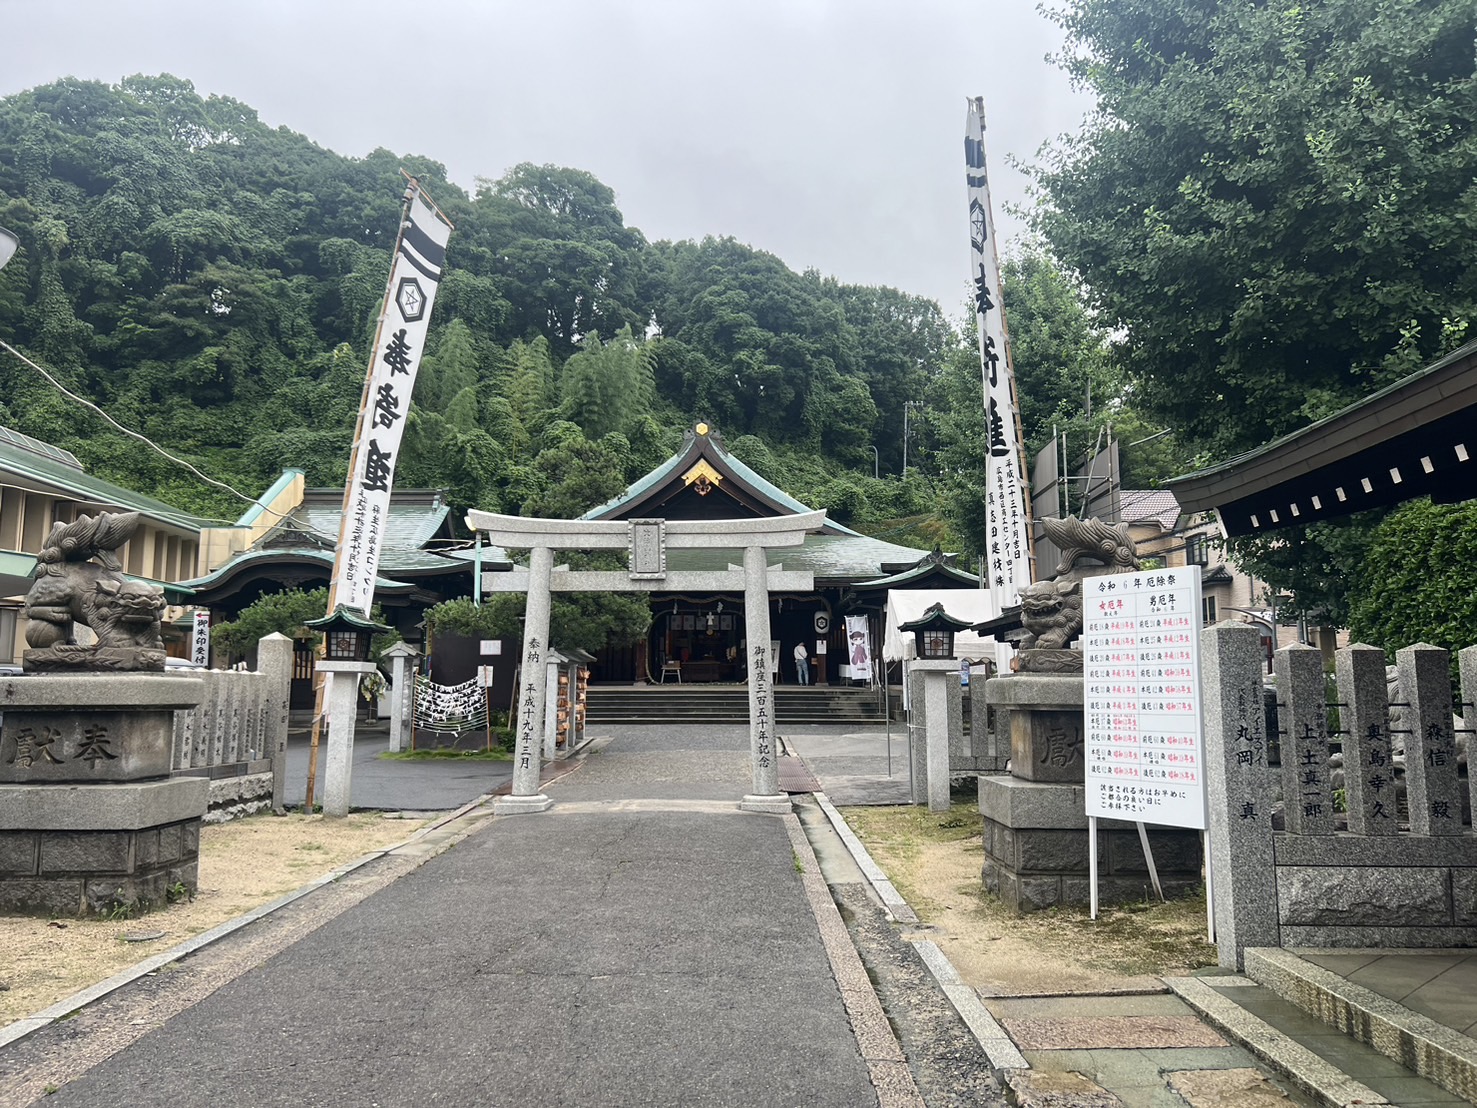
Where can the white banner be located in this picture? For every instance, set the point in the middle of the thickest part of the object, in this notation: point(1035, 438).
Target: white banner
point(397, 356)
point(200, 641)
point(1141, 667)
point(859, 647)
point(1007, 562)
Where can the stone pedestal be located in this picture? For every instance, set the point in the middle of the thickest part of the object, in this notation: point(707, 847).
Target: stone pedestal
point(1035, 841)
point(1042, 714)
point(932, 680)
point(1035, 833)
point(90, 821)
point(342, 698)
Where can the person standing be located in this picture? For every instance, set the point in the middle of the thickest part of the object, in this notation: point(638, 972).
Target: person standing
point(802, 663)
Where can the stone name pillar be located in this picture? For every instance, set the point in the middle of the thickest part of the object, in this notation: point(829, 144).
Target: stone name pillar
point(1432, 785)
point(1369, 771)
point(1238, 791)
point(763, 746)
point(1307, 778)
point(527, 763)
point(274, 661)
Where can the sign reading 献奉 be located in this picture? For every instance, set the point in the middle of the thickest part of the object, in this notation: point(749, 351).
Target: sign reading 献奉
point(1141, 662)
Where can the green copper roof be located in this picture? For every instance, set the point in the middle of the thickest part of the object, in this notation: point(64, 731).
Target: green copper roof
point(250, 557)
point(56, 474)
point(695, 446)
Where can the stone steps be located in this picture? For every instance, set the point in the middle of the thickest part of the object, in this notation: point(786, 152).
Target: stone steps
point(1420, 1044)
point(727, 704)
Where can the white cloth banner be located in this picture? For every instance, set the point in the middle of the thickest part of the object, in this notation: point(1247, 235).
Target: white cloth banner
point(397, 356)
point(907, 605)
point(859, 647)
point(1007, 565)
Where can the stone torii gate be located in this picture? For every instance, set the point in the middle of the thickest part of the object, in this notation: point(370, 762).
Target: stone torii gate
point(646, 541)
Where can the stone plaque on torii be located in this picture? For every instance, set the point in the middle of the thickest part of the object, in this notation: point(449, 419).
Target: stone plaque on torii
point(646, 542)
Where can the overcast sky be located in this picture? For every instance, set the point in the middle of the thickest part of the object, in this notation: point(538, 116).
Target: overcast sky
point(829, 132)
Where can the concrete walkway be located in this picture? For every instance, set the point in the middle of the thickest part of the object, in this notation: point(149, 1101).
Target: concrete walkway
point(1216, 1039)
point(644, 942)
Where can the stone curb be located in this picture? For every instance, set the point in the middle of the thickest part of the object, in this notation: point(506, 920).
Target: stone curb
point(898, 909)
point(1329, 1084)
point(993, 1040)
point(20, 1028)
point(1438, 1053)
point(887, 1066)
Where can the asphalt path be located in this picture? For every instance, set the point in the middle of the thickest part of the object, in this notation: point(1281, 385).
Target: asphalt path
point(434, 785)
point(642, 943)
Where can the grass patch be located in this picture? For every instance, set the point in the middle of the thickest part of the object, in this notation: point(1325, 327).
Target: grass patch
point(934, 859)
point(440, 754)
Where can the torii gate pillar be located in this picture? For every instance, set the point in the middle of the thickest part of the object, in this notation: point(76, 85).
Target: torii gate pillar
point(646, 541)
point(763, 756)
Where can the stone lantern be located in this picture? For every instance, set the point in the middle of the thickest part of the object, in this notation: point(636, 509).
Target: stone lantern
point(934, 633)
point(346, 639)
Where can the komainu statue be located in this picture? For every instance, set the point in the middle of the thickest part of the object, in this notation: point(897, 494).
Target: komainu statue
point(80, 580)
point(1051, 611)
point(1091, 538)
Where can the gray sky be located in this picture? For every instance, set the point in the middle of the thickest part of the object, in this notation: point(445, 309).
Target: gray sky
point(829, 132)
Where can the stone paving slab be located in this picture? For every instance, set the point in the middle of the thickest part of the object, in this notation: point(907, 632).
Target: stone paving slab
point(1236, 1088)
point(1111, 1033)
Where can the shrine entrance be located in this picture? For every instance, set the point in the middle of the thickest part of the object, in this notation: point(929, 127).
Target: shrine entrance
point(703, 636)
point(646, 542)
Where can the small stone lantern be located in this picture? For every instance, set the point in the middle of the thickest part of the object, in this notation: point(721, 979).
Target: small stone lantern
point(934, 632)
point(346, 639)
point(346, 635)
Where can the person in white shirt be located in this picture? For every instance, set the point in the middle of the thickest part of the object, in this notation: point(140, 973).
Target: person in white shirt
point(802, 664)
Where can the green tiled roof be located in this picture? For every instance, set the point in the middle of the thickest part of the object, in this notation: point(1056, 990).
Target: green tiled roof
point(54, 473)
point(247, 557)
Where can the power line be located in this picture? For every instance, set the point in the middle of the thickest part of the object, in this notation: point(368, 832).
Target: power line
point(134, 434)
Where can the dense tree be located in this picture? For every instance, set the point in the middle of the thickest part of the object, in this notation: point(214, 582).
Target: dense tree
point(1272, 203)
point(1415, 584)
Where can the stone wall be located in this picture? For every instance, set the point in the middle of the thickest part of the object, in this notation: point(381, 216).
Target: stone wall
point(1397, 867)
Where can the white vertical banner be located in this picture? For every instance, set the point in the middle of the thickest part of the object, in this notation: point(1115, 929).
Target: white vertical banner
point(200, 639)
point(419, 256)
point(1007, 551)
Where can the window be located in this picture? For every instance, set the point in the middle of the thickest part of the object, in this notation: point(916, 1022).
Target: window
point(1207, 610)
point(1197, 551)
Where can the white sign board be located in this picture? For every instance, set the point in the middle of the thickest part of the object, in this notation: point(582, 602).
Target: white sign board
point(200, 640)
point(1145, 744)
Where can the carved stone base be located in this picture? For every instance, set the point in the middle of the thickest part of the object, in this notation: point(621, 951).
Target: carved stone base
point(1049, 661)
point(100, 659)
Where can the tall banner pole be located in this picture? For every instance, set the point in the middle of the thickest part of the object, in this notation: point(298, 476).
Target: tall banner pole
point(1009, 549)
point(399, 339)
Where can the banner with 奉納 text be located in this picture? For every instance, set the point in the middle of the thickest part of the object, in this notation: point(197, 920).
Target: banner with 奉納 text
point(419, 256)
point(1007, 528)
